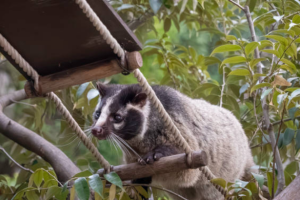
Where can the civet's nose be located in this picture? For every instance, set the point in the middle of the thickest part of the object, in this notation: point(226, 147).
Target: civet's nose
point(97, 131)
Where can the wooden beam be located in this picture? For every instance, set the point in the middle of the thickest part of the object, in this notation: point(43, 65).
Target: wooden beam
point(291, 192)
point(168, 164)
point(82, 74)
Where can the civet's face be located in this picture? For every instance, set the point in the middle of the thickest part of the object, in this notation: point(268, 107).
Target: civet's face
point(122, 111)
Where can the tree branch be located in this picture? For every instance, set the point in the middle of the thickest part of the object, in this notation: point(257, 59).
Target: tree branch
point(62, 165)
point(237, 4)
point(265, 107)
point(24, 168)
point(137, 22)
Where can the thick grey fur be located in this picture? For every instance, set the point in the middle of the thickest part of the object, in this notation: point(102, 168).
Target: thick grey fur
point(204, 126)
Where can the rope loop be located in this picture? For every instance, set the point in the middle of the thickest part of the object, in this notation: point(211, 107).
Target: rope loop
point(26, 67)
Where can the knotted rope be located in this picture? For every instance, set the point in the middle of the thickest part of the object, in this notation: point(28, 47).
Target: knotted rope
point(145, 86)
point(26, 67)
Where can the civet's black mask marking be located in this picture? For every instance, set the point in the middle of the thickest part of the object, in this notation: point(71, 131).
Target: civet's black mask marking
point(120, 111)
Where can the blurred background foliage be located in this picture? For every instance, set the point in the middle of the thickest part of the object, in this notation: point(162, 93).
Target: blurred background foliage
point(203, 49)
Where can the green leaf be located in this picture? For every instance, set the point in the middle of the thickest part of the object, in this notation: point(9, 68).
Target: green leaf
point(278, 38)
point(286, 31)
point(240, 72)
point(226, 48)
point(244, 88)
point(82, 189)
point(288, 136)
point(294, 94)
point(298, 140)
point(261, 85)
point(296, 19)
point(155, 5)
point(233, 60)
point(252, 4)
point(230, 37)
point(81, 89)
point(114, 178)
point(52, 191)
point(254, 62)
point(270, 182)
point(265, 93)
point(260, 179)
point(286, 61)
point(92, 94)
point(96, 184)
point(219, 181)
point(288, 68)
point(211, 61)
point(32, 195)
point(142, 191)
point(167, 24)
point(38, 177)
point(271, 51)
point(85, 173)
point(250, 47)
point(292, 112)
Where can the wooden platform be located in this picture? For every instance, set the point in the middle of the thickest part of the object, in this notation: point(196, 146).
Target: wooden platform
point(55, 35)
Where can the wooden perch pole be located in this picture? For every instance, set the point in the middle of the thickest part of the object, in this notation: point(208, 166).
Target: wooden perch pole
point(168, 164)
point(82, 74)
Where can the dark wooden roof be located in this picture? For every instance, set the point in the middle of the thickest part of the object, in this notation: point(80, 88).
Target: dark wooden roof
point(55, 35)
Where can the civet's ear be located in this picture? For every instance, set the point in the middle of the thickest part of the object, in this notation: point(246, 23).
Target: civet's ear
point(140, 99)
point(102, 88)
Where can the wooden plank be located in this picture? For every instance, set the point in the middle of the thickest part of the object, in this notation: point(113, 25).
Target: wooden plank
point(168, 164)
point(82, 74)
point(55, 35)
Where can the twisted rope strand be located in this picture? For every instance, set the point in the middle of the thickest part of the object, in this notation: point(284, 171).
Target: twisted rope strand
point(104, 32)
point(75, 127)
point(14, 54)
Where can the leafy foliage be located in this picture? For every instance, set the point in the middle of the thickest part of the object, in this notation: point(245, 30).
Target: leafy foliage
point(203, 49)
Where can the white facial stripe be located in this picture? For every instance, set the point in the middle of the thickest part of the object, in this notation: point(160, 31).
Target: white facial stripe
point(146, 111)
point(119, 126)
point(105, 111)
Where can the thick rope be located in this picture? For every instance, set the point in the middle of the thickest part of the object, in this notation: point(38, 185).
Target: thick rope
point(14, 54)
point(143, 83)
point(75, 127)
point(35, 76)
point(110, 40)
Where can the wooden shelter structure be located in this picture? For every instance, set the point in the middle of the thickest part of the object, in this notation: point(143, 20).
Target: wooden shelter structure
point(56, 44)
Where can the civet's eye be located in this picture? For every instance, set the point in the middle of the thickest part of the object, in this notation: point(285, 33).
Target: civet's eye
point(97, 114)
point(118, 118)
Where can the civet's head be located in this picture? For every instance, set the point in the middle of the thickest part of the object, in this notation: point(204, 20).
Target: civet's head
point(122, 110)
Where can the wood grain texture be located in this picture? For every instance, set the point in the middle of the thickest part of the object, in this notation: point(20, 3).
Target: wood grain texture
point(291, 192)
point(168, 164)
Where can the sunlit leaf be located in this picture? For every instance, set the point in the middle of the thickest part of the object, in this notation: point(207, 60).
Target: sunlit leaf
point(250, 47)
point(240, 72)
point(271, 51)
point(233, 60)
point(230, 37)
point(261, 85)
point(92, 94)
point(296, 19)
point(278, 38)
point(72, 193)
point(219, 181)
point(142, 191)
point(226, 48)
